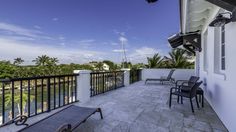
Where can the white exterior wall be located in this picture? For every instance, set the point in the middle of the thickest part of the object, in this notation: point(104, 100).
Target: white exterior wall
point(220, 89)
point(179, 74)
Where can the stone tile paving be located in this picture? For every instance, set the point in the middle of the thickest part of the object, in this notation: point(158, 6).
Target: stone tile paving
point(143, 108)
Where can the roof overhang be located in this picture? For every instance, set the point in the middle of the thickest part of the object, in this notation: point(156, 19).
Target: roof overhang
point(196, 14)
point(229, 5)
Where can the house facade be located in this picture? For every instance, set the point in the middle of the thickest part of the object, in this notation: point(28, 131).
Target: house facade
point(216, 63)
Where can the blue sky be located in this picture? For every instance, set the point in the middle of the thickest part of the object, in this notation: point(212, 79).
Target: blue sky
point(80, 31)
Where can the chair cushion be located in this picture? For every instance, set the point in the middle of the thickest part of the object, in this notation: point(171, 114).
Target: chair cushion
point(184, 94)
point(187, 89)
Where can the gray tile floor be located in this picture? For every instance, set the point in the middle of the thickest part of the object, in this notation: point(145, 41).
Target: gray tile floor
point(144, 108)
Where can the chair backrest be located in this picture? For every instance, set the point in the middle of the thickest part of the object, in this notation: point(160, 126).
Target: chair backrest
point(192, 80)
point(170, 74)
point(193, 91)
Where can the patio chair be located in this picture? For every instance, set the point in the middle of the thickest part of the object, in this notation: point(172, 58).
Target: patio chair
point(65, 120)
point(200, 92)
point(163, 79)
point(186, 84)
point(191, 94)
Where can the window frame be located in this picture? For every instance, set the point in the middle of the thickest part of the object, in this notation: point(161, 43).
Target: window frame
point(205, 53)
point(222, 50)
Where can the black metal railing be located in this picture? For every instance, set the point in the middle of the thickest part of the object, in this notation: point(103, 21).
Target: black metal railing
point(102, 82)
point(35, 95)
point(135, 75)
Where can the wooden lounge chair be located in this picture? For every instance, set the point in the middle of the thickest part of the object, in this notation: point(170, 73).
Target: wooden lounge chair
point(163, 79)
point(65, 120)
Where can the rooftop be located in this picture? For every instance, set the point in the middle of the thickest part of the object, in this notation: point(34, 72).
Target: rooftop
point(139, 108)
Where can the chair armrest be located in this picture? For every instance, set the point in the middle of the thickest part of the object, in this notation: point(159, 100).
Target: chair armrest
point(178, 81)
point(183, 84)
point(173, 89)
point(163, 77)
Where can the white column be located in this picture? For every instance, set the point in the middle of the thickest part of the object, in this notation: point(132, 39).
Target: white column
point(126, 76)
point(83, 85)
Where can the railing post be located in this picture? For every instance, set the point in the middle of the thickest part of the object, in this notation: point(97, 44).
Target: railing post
point(3, 103)
point(115, 80)
point(49, 95)
point(103, 83)
point(126, 76)
point(83, 85)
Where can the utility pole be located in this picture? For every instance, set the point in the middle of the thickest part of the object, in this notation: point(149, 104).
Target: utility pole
point(124, 57)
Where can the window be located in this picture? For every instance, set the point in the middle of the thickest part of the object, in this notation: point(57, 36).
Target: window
point(222, 48)
point(205, 60)
point(219, 50)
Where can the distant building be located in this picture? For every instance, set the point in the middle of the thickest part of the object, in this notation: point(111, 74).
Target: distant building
point(95, 64)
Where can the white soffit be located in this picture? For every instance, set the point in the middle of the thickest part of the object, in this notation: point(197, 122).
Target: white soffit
point(198, 14)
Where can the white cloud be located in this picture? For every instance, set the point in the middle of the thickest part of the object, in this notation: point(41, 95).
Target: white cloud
point(118, 32)
point(123, 39)
point(86, 41)
point(114, 44)
point(62, 38)
point(37, 27)
point(118, 50)
point(55, 19)
point(141, 54)
point(62, 44)
point(11, 29)
point(11, 49)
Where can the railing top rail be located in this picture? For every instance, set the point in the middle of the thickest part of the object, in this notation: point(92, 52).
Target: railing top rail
point(106, 72)
point(37, 77)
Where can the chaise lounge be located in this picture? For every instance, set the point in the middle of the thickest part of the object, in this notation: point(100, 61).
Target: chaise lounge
point(163, 79)
point(65, 120)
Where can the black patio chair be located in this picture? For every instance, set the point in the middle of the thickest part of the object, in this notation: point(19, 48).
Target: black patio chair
point(200, 92)
point(191, 94)
point(163, 79)
point(186, 84)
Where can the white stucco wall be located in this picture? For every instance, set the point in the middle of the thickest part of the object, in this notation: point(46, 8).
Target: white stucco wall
point(179, 74)
point(220, 89)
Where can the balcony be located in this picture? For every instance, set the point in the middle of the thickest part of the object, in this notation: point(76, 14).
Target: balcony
point(139, 107)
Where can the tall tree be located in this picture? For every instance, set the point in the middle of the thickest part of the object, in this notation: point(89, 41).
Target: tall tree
point(7, 70)
point(155, 61)
point(42, 60)
point(179, 58)
point(53, 61)
point(18, 61)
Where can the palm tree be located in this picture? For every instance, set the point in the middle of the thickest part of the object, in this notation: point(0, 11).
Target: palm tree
point(54, 61)
point(8, 100)
point(179, 58)
point(155, 61)
point(18, 61)
point(42, 60)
